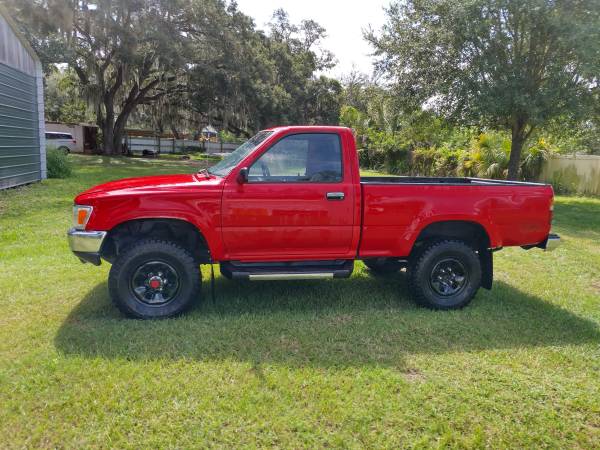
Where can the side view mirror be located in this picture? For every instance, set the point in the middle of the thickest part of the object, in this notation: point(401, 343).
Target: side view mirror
point(243, 175)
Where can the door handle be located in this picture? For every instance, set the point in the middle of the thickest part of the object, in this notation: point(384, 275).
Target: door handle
point(335, 196)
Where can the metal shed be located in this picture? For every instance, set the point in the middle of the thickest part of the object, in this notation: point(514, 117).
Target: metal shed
point(22, 137)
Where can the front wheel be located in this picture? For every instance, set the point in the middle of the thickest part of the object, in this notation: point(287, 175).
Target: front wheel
point(154, 279)
point(446, 275)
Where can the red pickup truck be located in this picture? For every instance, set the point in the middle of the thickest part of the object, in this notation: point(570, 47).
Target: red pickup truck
point(290, 204)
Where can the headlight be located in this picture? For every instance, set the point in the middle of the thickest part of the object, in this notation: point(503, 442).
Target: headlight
point(81, 215)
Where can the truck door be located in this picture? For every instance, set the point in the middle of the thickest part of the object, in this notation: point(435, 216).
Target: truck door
point(297, 203)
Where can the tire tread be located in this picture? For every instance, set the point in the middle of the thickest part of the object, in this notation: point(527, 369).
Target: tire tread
point(179, 252)
point(415, 266)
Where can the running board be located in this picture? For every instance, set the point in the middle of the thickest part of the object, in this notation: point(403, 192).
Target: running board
point(291, 276)
point(293, 270)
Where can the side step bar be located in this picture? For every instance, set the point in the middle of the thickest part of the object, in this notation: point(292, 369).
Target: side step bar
point(291, 276)
point(293, 270)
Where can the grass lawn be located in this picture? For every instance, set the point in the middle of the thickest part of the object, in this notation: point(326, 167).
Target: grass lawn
point(348, 363)
point(197, 157)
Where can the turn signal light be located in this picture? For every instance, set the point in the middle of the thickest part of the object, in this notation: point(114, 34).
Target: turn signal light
point(81, 215)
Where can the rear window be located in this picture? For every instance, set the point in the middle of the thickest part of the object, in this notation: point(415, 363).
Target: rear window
point(52, 136)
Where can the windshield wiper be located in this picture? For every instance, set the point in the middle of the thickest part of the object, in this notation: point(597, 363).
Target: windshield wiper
point(205, 172)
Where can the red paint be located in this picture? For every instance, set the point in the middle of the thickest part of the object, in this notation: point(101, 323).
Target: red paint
point(295, 221)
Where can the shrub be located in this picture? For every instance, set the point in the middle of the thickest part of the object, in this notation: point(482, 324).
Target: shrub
point(487, 156)
point(58, 164)
point(535, 157)
point(448, 161)
point(371, 159)
point(423, 161)
point(490, 155)
point(441, 162)
point(396, 161)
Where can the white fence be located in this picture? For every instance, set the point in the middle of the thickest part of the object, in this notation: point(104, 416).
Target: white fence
point(167, 145)
point(574, 173)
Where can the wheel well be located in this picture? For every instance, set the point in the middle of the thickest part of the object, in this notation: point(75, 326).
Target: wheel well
point(174, 230)
point(472, 233)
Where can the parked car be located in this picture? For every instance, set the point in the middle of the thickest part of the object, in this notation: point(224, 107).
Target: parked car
point(290, 204)
point(61, 141)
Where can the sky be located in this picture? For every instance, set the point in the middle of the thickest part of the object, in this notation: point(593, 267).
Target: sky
point(344, 21)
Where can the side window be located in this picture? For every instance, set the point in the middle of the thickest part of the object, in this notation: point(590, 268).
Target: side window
point(315, 158)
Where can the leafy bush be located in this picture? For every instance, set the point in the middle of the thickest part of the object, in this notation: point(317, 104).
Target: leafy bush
point(371, 159)
point(448, 161)
point(462, 153)
point(441, 162)
point(490, 154)
point(424, 161)
point(396, 161)
point(58, 164)
point(535, 157)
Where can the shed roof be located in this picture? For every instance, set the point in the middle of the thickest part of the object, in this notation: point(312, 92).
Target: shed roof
point(17, 32)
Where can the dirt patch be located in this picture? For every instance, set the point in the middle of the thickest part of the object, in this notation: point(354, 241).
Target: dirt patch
point(595, 285)
point(413, 375)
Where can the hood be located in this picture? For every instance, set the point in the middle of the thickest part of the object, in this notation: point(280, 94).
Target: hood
point(147, 185)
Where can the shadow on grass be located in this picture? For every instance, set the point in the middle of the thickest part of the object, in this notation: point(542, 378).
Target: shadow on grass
point(578, 216)
point(362, 321)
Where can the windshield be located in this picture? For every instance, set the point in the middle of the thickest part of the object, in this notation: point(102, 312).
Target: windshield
point(227, 164)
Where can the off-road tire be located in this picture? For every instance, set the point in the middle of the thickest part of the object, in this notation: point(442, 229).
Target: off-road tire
point(150, 251)
point(430, 261)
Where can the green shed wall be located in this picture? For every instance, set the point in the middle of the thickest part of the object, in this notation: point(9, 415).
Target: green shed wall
point(19, 128)
point(22, 137)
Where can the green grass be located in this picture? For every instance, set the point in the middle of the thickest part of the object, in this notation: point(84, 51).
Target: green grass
point(349, 363)
point(373, 173)
point(196, 156)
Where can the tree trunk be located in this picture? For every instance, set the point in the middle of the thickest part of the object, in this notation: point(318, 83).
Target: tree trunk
point(119, 131)
point(120, 123)
point(108, 127)
point(175, 132)
point(107, 138)
point(516, 146)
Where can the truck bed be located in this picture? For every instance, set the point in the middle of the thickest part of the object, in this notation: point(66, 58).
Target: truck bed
point(397, 209)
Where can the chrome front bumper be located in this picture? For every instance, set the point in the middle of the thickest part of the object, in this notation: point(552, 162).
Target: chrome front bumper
point(552, 242)
point(86, 244)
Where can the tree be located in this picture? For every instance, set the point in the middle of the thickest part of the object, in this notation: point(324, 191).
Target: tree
point(251, 80)
point(507, 64)
point(62, 98)
point(322, 104)
point(177, 64)
point(125, 53)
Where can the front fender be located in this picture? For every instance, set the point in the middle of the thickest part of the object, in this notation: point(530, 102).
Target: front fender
point(201, 211)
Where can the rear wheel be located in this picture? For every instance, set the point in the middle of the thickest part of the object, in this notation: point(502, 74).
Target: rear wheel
point(383, 266)
point(154, 279)
point(445, 275)
point(65, 150)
